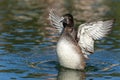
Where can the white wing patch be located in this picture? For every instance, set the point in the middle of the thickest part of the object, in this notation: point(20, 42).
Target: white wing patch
point(55, 20)
point(89, 32)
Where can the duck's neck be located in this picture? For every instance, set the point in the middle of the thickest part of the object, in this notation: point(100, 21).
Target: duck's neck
point(68, 29)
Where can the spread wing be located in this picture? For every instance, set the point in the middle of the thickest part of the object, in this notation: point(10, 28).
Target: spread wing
point(89, 32)
point(55, 20)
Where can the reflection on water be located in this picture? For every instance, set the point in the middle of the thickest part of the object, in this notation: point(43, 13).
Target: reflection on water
point(68, 74)
point(27, 41)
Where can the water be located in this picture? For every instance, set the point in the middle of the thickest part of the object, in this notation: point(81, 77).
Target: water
point(27, 41)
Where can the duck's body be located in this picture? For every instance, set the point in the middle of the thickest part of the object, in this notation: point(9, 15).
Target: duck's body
point(69, 52)
point(73, 47)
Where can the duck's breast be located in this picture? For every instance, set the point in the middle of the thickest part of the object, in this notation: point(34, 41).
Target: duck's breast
point(68, 55)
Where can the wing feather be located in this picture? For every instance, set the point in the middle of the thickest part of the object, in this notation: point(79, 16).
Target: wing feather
point(89, 32)
point(55, 20)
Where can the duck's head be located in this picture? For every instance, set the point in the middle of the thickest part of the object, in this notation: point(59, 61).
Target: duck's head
point(68, 20)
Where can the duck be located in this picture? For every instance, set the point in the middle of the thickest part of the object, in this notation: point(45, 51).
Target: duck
point(75, 46)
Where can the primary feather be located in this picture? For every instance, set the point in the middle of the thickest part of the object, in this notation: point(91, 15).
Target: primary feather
point(89, 32)
point(55, 20)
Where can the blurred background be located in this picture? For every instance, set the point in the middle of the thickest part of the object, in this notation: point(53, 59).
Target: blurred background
point(28, 42)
